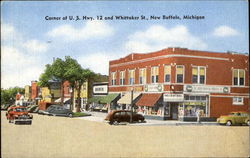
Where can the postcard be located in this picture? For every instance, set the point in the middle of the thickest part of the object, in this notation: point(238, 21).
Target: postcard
point(124, 79)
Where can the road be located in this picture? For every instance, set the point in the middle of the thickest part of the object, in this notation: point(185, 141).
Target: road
point(61, 137)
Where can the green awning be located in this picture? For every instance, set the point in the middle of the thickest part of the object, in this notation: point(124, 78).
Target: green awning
point(108, 98)
point(95, 99)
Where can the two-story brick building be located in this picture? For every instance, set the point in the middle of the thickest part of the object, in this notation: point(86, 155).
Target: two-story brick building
point(174, 83)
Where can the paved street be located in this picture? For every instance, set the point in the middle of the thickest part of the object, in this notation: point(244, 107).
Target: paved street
point(52, 137)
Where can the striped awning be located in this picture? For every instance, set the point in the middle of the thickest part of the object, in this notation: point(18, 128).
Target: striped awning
point(148, 99)
point(126, 99)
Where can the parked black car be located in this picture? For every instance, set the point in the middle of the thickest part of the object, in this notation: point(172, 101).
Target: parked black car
point(118, 116)
point(58, 110)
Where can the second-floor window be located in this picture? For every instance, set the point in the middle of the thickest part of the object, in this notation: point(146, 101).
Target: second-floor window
point(198, 75)
point(167, 73)
point(113, 78)
point(131, 77)
point(179, 73)
point(122, 77)
point(238, 77)
point(142, 76)
point(154, 74)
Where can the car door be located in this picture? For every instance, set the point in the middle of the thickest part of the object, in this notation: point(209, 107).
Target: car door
point(237, 118)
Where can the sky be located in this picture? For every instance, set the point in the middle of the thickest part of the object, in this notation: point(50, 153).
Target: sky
point(29, 41)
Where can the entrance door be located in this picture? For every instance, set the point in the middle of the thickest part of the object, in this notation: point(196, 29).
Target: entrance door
point(174, 111)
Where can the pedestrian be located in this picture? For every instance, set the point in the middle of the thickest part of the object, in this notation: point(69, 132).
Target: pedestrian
point(198, 116)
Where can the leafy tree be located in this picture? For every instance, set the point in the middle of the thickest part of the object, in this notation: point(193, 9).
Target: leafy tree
point(8, 95)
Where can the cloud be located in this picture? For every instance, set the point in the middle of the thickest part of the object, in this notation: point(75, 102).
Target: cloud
point(18, 68)
point(34, 46)
point(98, 62)
point(158, 37)
point(225, 31)
point(92, 29)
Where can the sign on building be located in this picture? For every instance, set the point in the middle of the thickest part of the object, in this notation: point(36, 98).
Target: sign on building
point(206, 89)
point(153, 88)
point(168, 97)
point(100, 89)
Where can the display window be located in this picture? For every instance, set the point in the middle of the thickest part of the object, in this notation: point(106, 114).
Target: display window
point(190, 110)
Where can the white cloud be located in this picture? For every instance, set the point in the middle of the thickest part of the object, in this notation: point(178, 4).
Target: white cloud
point(225, 31)
point(98, 62)
point(18, 68)
point(34, 46)
point(92, 29)
point(7, 31)
point(158, 37)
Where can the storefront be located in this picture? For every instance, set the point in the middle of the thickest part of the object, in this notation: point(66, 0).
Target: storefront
point(125, 101)
point(104, 103)
point(150, 105)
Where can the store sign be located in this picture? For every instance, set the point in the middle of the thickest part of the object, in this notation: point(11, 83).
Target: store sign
point(153, 88)
point(207, 89)
point(100, 89)
point(167, 97)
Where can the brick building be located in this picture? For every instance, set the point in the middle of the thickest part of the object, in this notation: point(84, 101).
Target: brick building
point(180, 82)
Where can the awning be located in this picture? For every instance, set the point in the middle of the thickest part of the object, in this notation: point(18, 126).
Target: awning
point(108, 98)
point(64, 100)
point(126, 99)
point(95, 99)
point(148, 99)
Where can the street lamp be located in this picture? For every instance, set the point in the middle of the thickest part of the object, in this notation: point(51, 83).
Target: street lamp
point(131, 117)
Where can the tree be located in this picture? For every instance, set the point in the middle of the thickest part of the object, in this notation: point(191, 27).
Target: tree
point(62, 70)
point(8, 95)
point(84, 75)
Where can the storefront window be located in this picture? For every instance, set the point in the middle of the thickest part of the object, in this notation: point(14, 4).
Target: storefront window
point(190, 109)
point(156, 111)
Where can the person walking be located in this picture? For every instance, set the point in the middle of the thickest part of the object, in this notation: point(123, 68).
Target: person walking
point(198, 115)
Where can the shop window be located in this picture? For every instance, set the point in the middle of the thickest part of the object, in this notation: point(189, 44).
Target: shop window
point(142, 76)
point(238, 77)
point(131, 76)
point(154, 74)
point(238, 101)
point(122, 78)
point(113, 78)
point(167, 73)
point(179, 73)
point(190, 109)
point(198, 75)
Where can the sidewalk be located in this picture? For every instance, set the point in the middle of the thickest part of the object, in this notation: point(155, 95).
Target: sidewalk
point(151, 122)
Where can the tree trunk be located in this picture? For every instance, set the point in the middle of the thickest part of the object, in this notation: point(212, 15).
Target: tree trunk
point(62, 93)
point(78, 98)
point(72, 97)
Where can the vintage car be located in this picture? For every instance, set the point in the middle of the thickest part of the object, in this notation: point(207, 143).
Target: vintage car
point(117, 116)
point(58, 110)
point(235, 118)
point(18, 114)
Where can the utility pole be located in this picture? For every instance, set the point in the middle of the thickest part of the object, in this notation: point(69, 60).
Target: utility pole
point(131, 117)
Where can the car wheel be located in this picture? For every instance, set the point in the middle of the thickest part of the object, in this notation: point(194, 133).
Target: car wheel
point(248, 122)
point(115, 123)
point(70, 115)
point(9, 121)
point(229, 123)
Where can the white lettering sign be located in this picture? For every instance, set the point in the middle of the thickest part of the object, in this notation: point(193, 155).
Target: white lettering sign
point(173, 97)
point(97, 89)
point(207, 89)
point(153, 88)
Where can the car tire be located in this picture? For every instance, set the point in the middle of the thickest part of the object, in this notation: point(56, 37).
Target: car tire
point(115, 123)
point(248, 122)
point(228, 123)
point(70, 115)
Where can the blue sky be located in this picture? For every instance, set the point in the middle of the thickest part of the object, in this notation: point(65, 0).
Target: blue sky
point(25, 32)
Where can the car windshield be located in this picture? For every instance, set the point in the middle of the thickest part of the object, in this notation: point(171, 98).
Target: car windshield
point(20, 109)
